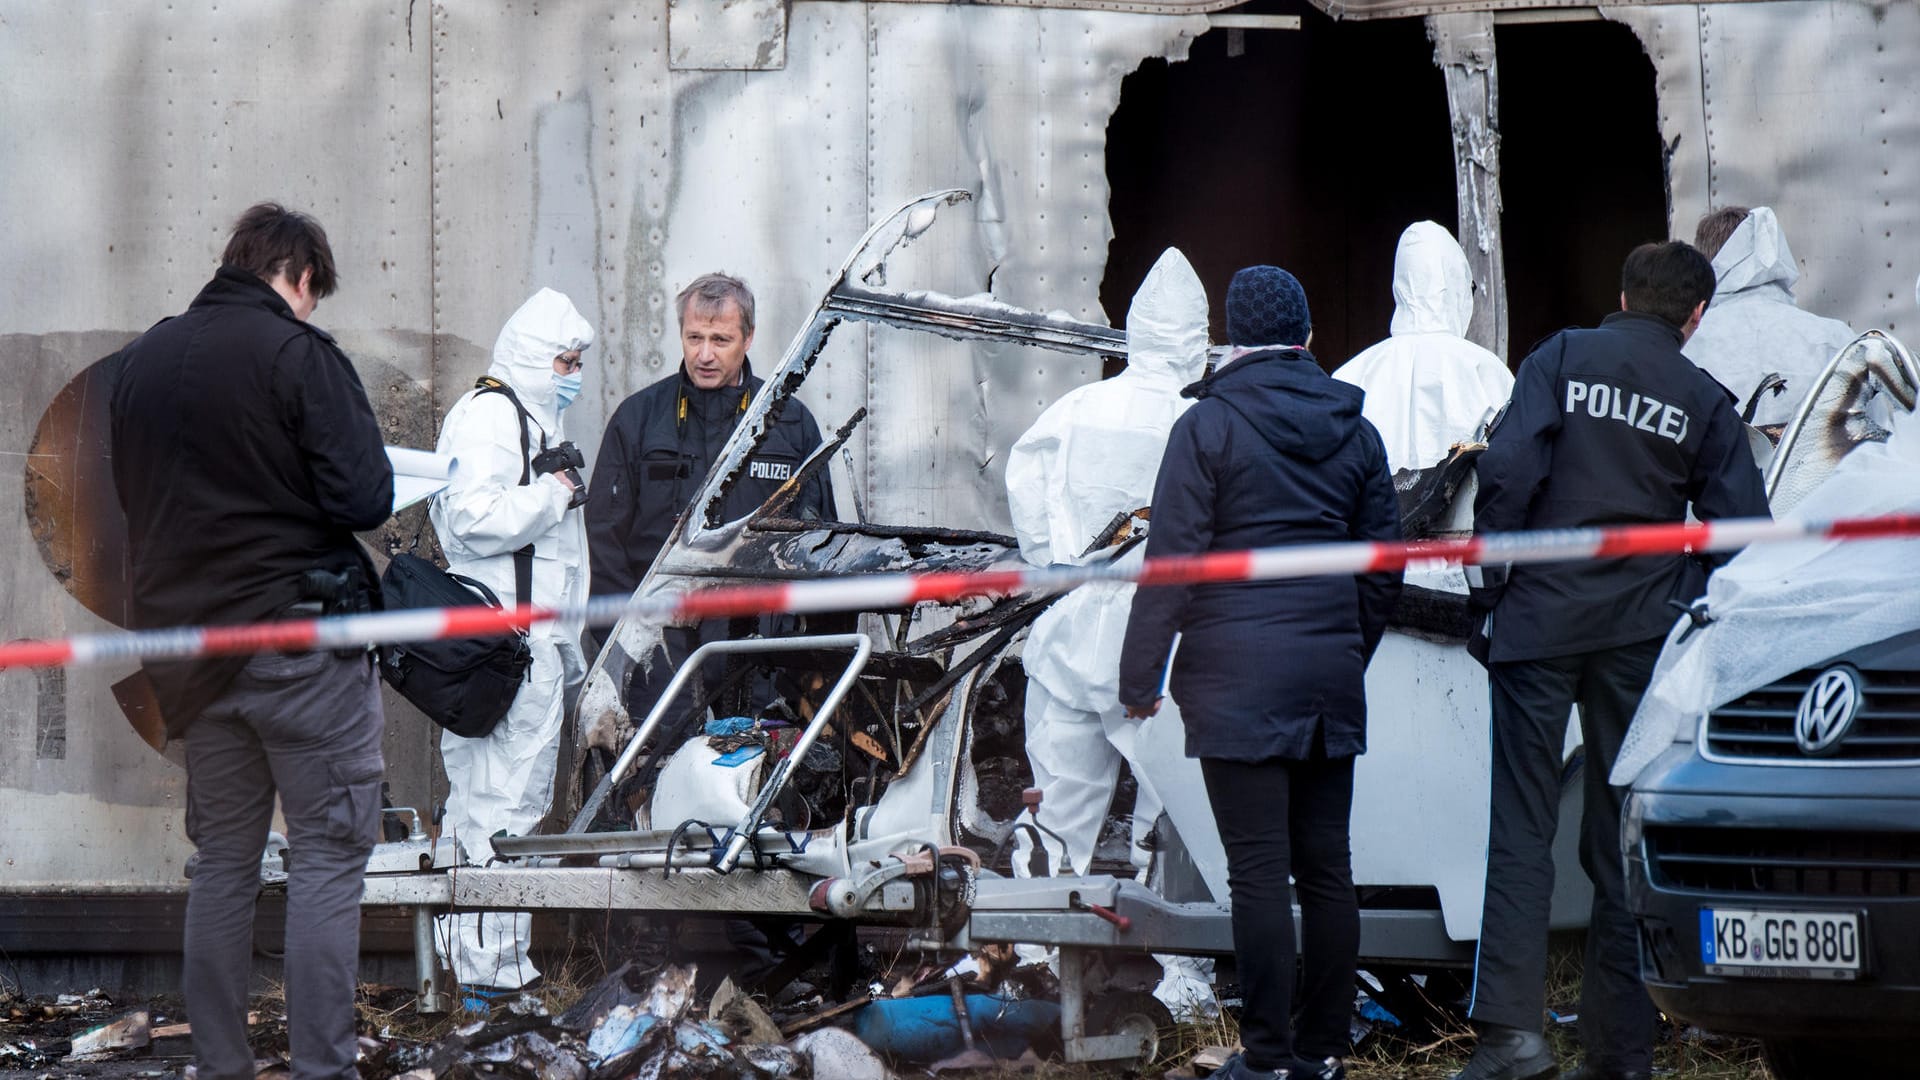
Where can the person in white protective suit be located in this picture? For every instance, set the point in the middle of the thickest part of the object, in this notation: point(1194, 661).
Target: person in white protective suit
point(505, 780)
point(1752, 328)
point(1427, 386)
point(1092, 455)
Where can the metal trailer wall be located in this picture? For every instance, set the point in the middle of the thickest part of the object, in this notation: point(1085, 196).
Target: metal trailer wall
point(132, 135)
point(462, 155)
point(1813, 109)
point(1808, 107)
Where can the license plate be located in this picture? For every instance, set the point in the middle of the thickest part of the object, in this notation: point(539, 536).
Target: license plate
point(1781, 944)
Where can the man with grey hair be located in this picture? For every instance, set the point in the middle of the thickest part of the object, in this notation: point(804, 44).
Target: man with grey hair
point(661, 442)
point(657, 450)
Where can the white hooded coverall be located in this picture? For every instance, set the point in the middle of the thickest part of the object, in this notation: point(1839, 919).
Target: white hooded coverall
point(1093, 454)
point(1427, 386)
point(1752, 328)
point(505, 781)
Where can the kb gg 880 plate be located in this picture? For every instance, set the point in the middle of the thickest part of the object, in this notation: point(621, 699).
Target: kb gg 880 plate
point(1824, 945)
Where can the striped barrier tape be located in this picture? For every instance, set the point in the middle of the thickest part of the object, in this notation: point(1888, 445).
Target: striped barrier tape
point(890, 591)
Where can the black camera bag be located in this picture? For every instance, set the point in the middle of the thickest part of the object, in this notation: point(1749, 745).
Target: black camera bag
point(465, 685)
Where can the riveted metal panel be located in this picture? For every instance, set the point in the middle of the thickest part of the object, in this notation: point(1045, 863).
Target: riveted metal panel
point(134, 133)
point(727, 35)
point(1014, 104)
point(617, 180)
point(1810, 108)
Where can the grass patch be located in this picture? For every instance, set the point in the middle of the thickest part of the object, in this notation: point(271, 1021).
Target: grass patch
point(1681, 1053)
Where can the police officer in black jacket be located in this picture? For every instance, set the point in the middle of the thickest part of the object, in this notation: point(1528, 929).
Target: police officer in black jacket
point(656, 452)
point(663, 440)
point(246, 455)
point(1610, 426)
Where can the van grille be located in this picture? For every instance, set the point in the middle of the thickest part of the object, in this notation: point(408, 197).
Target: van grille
point(1759, 725)
point(1777, 862)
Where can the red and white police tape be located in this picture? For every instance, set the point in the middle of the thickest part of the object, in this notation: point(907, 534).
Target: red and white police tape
point(887, 591)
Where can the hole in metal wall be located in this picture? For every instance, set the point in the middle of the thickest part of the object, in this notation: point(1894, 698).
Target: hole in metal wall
point(1310, 149)
point(1582, 179)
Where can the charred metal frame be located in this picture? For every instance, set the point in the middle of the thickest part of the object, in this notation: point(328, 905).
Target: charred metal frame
point(1464, 50)
point(704, 551)
point(793, 873)
point(1831, 417)
point(687, 870)
point(862, 648)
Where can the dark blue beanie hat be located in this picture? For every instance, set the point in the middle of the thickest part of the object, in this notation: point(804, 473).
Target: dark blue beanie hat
point(1267, 306)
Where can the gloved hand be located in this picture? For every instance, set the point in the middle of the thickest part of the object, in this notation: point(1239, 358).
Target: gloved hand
point(564, 462)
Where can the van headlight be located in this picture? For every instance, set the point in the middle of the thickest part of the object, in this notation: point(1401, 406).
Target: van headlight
point(1633, 822)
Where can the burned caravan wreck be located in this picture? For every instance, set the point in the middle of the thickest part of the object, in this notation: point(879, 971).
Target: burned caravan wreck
point(853, 791)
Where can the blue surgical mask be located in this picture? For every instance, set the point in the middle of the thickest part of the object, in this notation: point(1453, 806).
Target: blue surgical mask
point(566, 388)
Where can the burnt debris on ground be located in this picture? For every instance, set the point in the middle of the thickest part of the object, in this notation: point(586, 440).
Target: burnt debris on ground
point(632, 1023)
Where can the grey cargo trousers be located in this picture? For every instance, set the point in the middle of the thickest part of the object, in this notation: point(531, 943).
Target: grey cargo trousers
point(308, 727)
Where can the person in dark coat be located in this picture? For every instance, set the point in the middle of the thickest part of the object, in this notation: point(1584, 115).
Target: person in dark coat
point(1608, 426)
point(1269, 675)
point(246, 455)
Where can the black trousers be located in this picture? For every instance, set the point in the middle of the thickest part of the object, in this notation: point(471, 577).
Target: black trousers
point(1531, 702)
point(1279, 817)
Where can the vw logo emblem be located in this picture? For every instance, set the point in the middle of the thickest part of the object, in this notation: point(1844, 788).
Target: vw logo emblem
point(1826, 712)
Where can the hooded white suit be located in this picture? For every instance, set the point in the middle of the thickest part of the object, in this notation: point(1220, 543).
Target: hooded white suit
point(505, 781)
point(1094, 454)
point(1752, 328)
point(1427, 386)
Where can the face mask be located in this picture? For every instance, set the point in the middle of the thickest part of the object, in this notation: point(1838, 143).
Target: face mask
point(566, 388)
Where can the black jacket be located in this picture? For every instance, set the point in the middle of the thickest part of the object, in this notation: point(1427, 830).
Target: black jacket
point(1610, 426)
point(245, 453)
point(1275, 452)
point(653, 459)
